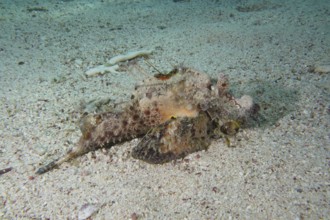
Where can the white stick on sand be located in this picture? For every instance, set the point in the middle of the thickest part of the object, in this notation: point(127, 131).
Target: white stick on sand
point(102, 69)
point(110, 67)
point(128, 56)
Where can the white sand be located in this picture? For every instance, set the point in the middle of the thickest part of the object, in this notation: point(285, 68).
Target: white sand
point(279, 171)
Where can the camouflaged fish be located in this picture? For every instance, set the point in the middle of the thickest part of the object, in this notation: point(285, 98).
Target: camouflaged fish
point(175, 114)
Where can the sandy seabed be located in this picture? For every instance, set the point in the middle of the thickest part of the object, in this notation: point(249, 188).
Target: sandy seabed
point(276, 51)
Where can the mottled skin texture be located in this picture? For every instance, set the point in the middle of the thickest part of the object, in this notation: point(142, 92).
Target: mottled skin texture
point(175, 115)
point(175, 139)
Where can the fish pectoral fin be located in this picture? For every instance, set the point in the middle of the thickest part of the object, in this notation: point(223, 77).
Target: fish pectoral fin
point(172, 140)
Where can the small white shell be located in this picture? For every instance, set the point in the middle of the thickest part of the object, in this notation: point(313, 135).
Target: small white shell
point(87, 210)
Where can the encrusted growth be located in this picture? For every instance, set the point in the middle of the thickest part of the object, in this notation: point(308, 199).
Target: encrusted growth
point(175, 114)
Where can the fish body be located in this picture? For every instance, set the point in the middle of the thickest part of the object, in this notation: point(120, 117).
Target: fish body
point(174, 115)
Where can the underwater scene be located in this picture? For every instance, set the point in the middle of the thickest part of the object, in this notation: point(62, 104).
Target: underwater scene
point(164, 109)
